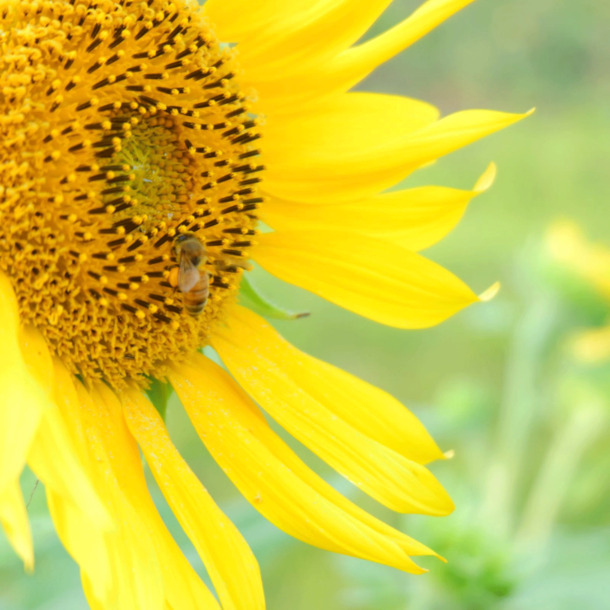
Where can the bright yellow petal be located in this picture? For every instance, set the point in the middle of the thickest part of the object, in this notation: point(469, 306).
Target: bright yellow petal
point(235, 20)
point(295, 392)
point(22, 403)
point(146, 568)
point(335, 165)
point(368, 276)
point(14, 521)
point(136, 578)
point(413, 218)
point(358, 62)
point(172, 581)
point(289, 92)
point(22, 400)
point(251, 344)
point(226, 555)
point(56, 463)
point(85, 542)
point(84, 538)
point(53, 455)
point(274, 479)
point(304, 39)
point(347, 124)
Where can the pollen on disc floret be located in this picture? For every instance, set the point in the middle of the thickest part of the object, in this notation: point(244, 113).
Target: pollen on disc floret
point(123, 126)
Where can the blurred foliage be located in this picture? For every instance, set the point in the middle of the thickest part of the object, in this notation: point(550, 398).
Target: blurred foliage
point(528, 423)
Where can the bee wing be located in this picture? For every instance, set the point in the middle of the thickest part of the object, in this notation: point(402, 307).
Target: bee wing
point(188, 274)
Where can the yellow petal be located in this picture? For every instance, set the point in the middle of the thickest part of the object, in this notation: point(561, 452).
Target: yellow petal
point(83, 537)
point(347, 124)
point(412, 218)
point(251, 344)
point(14, 521)
point(274, 479)
point(22, 403)
point(284, 382)
point(131, 575)
point(86, 543)
point(56, 463)
point(358, 62)
point(289, 92)
point(22, 400)
point(172, 581)
point(368, 276)
point(293, 91)
point(79, 514)
point(226, 555)
point(306, 38)
point(335, 164)
point(53, 455)
point(121, 567)
point(234, 20)
point(140, 565)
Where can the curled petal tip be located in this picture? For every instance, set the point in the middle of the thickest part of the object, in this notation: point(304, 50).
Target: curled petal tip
point(450, 454)
point(487, 179)
point(490, 293)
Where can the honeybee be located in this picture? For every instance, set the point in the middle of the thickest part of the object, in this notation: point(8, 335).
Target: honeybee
point(190, 280)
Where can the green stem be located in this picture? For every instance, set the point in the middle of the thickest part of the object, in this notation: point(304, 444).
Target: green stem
point(561, 462)
point(518, 413)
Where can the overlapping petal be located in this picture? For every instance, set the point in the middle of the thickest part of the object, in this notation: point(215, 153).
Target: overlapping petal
point(247, 341)
point(14, 522)
point(347, 124)
point(226, 555)
point(89, 542)
point(164, 577)
point(74, 502)
point(412, 218)
point(235, 20)
point(305, 39)
point(22, 400)
point(135, 563)
point(127, 552)
point(332, 162)
point(292, 91)
point(298, 393)
point(22, 405)
point(274, 479)
point(368, 276)
point(66, 473)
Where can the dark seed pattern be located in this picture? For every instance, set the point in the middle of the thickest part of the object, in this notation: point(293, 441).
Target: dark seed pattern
point(123, 126)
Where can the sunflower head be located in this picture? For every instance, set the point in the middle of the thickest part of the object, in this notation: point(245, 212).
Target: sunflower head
point(130, 195)
point(122, 128)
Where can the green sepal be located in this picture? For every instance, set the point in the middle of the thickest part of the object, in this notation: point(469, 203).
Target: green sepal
point(250, 297)
point(159, 393)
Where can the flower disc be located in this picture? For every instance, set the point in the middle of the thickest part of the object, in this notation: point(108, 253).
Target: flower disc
point(122, 127)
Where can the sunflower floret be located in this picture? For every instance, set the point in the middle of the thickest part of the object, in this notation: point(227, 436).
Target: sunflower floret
point(122, 126)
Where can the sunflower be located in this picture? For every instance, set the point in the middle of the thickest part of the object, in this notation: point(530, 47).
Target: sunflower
point(133, 128)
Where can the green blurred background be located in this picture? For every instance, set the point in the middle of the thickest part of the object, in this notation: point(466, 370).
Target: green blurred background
point(529, 426)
